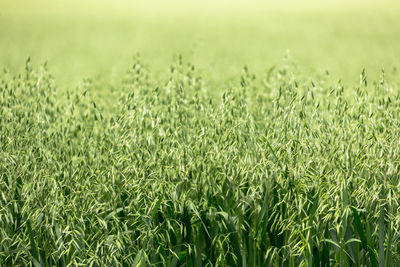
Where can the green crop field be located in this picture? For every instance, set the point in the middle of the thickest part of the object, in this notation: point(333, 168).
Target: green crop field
point(199, 133)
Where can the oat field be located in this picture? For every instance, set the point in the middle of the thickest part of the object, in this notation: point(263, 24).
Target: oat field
point(199, 133)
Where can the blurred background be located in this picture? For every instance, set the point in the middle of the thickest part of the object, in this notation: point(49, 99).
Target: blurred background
point(98, 39)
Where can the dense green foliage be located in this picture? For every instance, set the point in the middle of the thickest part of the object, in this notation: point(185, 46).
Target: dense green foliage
point(281, 171)
point(200, 163)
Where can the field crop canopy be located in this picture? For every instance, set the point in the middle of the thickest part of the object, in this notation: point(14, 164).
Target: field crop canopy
point(199, 133)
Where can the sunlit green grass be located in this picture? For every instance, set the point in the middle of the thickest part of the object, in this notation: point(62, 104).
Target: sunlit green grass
point(283, 170)
point(213, 147)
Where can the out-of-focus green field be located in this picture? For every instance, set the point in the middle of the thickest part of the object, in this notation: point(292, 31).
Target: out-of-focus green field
point(97, 39)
